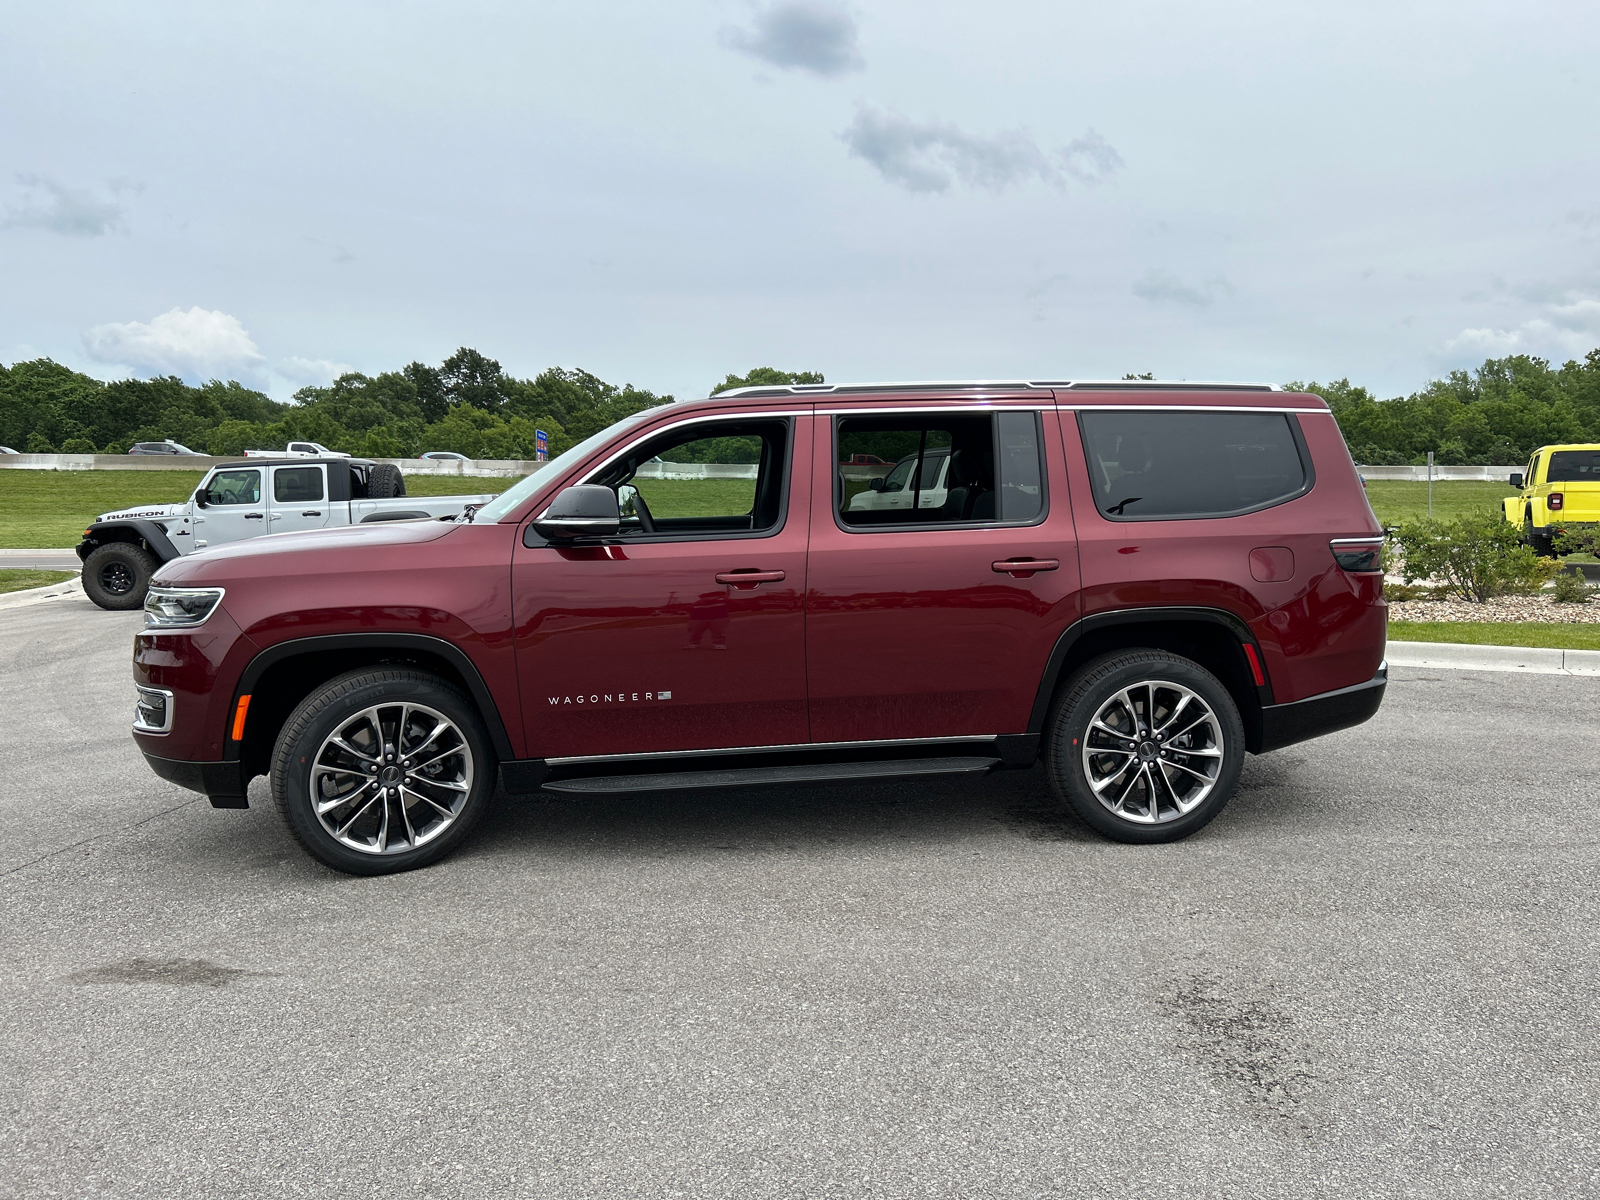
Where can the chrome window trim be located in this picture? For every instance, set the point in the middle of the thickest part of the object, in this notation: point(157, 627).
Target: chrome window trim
point(1256, 408)
point(139, 727)
point(933, 741)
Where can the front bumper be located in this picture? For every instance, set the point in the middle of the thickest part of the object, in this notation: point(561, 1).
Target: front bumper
point(223, 782)
point(1285, 724)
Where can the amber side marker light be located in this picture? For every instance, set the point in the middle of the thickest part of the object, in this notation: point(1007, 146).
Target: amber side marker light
point(238, 718)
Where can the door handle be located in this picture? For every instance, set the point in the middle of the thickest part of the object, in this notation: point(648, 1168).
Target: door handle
point(312, 512)
point(749, 578)
point(252, 516)
point(1025, 568)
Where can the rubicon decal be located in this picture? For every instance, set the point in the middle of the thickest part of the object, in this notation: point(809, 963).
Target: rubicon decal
point(612, 698)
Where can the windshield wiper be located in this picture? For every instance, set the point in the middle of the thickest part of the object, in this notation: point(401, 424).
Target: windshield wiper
point(1116, 509)
point(469, 512)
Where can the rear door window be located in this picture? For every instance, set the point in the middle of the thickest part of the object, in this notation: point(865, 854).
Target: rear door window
point(1165, 465)
point(296, 485)
point(922, 469)
point(1574, 466)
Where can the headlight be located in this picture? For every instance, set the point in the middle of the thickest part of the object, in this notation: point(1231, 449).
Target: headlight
point(180, 606)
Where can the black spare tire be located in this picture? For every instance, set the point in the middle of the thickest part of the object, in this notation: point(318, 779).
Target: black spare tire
point(384, 482)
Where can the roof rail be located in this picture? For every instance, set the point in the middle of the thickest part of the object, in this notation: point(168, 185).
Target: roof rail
point(989, 385)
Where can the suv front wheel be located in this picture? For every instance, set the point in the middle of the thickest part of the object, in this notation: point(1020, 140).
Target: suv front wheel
point(383, 770)
point(1144, 746)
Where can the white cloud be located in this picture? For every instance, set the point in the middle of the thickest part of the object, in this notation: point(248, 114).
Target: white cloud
point(196, 345)
point(47, 204)
point(311, 372)
point(1568, 327)
point(929, 156)
point(1163, 287)
point(802, 34)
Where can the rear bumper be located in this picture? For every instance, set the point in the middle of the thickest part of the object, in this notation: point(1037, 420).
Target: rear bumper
point(1285, 724)
point(223, 782)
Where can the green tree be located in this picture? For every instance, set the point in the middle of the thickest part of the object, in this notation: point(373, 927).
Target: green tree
point(767, 377)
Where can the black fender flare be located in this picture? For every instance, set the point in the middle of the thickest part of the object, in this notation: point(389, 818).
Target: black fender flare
point(142, 530)
point(1232, 622)
point(457, 658)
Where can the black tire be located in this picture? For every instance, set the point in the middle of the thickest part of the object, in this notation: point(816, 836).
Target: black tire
point(342, 707)
point(117, 575)
point(1542, 545)
point(384, 482)
point(1170, 767)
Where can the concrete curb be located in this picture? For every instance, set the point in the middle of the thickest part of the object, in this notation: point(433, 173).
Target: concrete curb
point(1460, 657)
point(50, 591)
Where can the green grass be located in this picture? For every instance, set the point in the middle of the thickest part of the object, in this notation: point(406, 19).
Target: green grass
point(18, 579)
point(1403, 500)
point(1499, 633)
point(458, 485)
point(44, 509)
point(41, 509)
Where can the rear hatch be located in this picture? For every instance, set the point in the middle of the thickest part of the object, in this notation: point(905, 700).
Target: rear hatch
point(1574, 475)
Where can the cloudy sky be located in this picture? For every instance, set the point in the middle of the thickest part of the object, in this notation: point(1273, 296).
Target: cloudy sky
point(662, 193)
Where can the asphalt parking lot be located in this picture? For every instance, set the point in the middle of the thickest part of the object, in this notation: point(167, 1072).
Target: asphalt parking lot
point(1374, 975)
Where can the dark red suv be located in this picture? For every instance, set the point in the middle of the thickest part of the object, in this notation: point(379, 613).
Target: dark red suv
point(1133, 583)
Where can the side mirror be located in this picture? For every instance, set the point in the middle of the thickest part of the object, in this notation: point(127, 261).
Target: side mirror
point(1516, 482)
point(587, 510)
point(875, 484)
point(200, 500)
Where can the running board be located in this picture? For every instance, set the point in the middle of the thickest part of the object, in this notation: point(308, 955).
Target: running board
point(897, 768)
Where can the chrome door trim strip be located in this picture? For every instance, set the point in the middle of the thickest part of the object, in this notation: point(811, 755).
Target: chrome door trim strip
point(609, 758)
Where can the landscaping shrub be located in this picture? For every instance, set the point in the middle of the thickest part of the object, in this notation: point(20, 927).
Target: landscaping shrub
point(1477, 557)
point(1571, 588)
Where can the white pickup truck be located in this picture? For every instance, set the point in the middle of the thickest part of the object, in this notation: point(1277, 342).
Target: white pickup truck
point(121, 550)
point(298, 450)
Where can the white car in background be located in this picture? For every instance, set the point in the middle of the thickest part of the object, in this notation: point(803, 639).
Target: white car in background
point(893, 490)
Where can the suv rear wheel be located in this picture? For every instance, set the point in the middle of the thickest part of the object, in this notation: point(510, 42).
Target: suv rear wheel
point(383, 770)
point(1144, 746)
point(117, 575)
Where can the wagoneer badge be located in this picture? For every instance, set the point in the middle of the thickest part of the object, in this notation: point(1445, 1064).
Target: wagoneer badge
point(612, 698)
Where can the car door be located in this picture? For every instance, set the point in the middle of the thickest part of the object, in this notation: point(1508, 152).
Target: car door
point(232, 507)
point(687, 630)
point(928, 621)
point(298, 499)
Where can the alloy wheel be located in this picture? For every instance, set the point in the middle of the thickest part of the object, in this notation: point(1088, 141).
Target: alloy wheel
point(117, 578)
point(1153, 752)
point(391, 778)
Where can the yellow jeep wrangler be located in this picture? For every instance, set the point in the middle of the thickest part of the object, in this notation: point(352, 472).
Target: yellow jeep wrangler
point(1560, 490)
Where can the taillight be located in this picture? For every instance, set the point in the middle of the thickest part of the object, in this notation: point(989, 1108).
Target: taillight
point(1554, 501)
point(1358, 554)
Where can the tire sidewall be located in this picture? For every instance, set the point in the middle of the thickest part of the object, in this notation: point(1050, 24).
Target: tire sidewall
point(1096, 683)
point(322, 713)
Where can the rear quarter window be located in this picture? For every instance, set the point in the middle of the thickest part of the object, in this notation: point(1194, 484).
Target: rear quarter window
point(1165, 465)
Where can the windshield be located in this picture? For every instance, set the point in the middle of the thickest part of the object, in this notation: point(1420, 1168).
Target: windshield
point(528, 484)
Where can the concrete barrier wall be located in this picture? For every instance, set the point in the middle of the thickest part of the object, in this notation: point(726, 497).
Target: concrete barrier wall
point(672, 470)
point(1442, 474)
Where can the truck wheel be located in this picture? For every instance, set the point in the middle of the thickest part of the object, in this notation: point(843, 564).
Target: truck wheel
point(1144, 746)
point(117, 575)
point(1543, 546)
point(383, 770)
point(384, 482)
